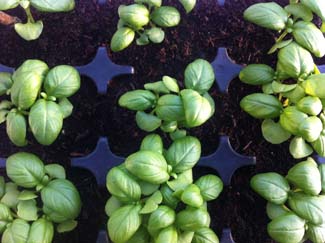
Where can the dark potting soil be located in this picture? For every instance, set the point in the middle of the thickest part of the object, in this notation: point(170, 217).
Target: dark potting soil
point(73, 39)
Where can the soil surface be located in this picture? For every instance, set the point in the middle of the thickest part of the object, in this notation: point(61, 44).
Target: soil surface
point(73, 39)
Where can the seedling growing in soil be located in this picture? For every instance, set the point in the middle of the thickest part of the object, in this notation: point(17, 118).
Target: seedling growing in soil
point(153, 196)
point(163, 105)
point(146, 18)
point(33, 29)
point(38, 199)
point(292, 102)
point(40, 95)
point(295, 202)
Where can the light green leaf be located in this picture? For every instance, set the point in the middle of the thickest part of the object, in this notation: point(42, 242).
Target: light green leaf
point(11, 196)
point(16, 128)
point(171, 84)
point(157, 87)
point(185, 237)
point(27, 195)
point(299, 148)
point(152, 142)
point(156, 35)
point(279, 45)
point(188, 5)
point(192, 219)
point(295, 95)
point(317, 6)
point(210, 186)
point(178, 134)
point(41, 230)
point(267, 88)
point(316, 233)
point(122, 38)
point(53, 6)
point(170, 108)
point(136, 15)
point(2, 186)
point(8, 4)
point(165, 16)
point(322, 173)
point(66, 107)
point(274, 211)
point(300, 11)
point(152, 203)
point(17, 232)
point(147, 122)
point(257, 74)
point(147, 188)
point(160, 219)
point(168, 198)
point(273, 132)
point(5, 82)
point(278, 87)
point(5, 217)
point(291, 118)
point(310, 105)
point(112, 205)
point(167, 235)
point(29, 31)
point(55, 171)
point(27, 210)
point(311, 128)
point(319, 145)
point(137, 100)
point(314, 86)
point(67, 226)
point(192, 196)
point(141, 236)
point(205, 235)
point(182, 181)
point(143, 40)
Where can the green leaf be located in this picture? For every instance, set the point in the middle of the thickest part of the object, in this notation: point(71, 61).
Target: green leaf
point(29, 31)
point(112, 205)
point(160, 219)
point(66, 107)
point(156, 3)
point(271, 186)
point(148, 166)
point(152, 142)
point(27, 195)
point(156, 35)
point(122, 38)
point(67, 226)
point(319, 145)
point(273, 132)
point(205, 235)
point(274, 211)
point(171, 84)
point(170, 108)
point(55, 171)
point(199, 75)
point(210, 186)
point(143, 40)
point(62, 81)
point(147, 122)
point(300, 11)
point(61, 201)
point(124, 223)
point(50, 6)
point(311, 128)
point(310, 37)
point(295, 61)
point(261, 105)
point(314, 86)
point(32, 65)
point(157, 87)
point(11, 196)
point(257, 74)
point(278, 87)
point(178, 134)
point(16, 128)
point(141, 236)
point(8, 4)
point(5, 105)
point(167, 235)
point(136, 15)
point(182, 181)
point(316, 233)
point(184, 153)
point(197, 108)
point(310, 105)
point(17, 232)
point(152, 203)
point(192, 196)
point(268, 15)
point(121, 185)
point(306, 176)
point(5, 82)
point(137, 100)
point(165, 16)
point(147, 188)
point(192, 219)
point(299, 148)
point(279, 45)
point(295, 95)
point(168, 198)
point(288, 228)
point(317, 6)
point(41, 230)
point(2, 186)
point(291, 118)
point(322, 173)
point(27, 210)
point(188, 5)
point(308, 207)
point(185, 237)
point(25, 169)
point(5, 217)
point(24, 4)
point(45, 121)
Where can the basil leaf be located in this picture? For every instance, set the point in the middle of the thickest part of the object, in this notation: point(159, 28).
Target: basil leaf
point(296, 94)
point(197, 108)
point(147, 188)
point(147, 122)
point(8, 4)
point(274, 211)
point(271, 186)
point(41, 230)
point(268, 15)
point(192, 196)
point(29, 31)
point(166, 16)
point(55, 171)
point(16, 128)
point(257, 74)
point(152, 142)
point(305, 175)
point(17, 232)
point(279, 45)
point(5, 217)
point(299, 148)
point(5, 82)
point(2, 186)
point(183, 180)
point(261, 105)
point(137, 100)
point(11, 196)
point(148, 166)
point(178, 134)
point(317, 6)
point(291, 118)
point(168, 198)
point(167, 235)
point(112, 205)
point(322, 173)
point(185, 237)
point(27, 210)
point(141, 236)
point(188, 5)
point(67, 226)
point(319, 145)
point(45, 121)
point(66, 107)
point(61, 201)
point(273, 132)
point(205, 235)
point(156, 3)
point(278, 87)
point(121, 185)
point(156, 35)
point(142, 40)
point(184, 153)
point(25, 169)
point(316, 233)
point(171, 84)
point(136, 15)
point(311, 128)
point(5, 105)
point(210, 186)
point(157, 87)
point(310, 105)
point(36, 66)
point(124, 223)
point(315, 86)
point(170, 108)
point(160, 219)
point(192, 219)
point(57, 6)
point(300, 11)
point(152, 203)
point(308, 207)
point(27, 195)
point(288, 228)
point(122, 38)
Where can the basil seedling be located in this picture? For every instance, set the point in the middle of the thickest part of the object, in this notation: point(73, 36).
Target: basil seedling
point(38, 200)
point(291, 104)
point(163, 105)
point(135, 19)
point(154, 197)
point(33, 29)
point(295, 202)
point(39, 96)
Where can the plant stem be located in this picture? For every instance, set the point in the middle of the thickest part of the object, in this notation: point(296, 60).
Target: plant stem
point(29, 15)
point(6, 19)
point(282, 36)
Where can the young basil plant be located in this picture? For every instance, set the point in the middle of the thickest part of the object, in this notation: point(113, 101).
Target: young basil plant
point(163, 105)
point(295, 202)
point(153, 196)
point(39, 96)
point(146, 18)
point(32, 29)
point(38, 200)
point(291, 104)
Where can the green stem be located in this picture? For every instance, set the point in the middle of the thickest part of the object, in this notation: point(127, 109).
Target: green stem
point(282, 36)
point(29, 15)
